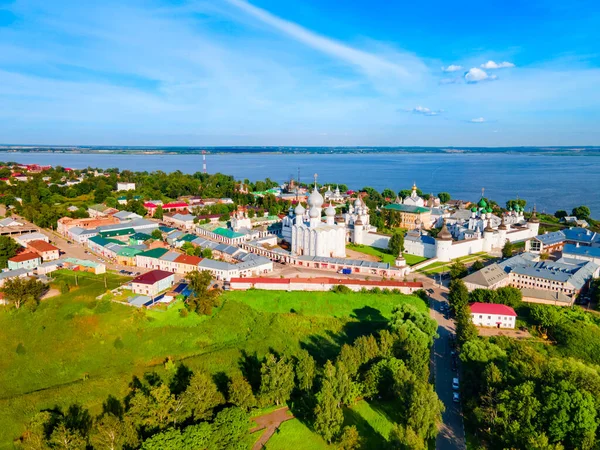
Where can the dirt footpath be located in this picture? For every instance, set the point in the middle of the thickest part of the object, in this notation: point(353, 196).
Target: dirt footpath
point(269, 422)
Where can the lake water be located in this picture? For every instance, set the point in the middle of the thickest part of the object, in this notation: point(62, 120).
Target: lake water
point(551, 182)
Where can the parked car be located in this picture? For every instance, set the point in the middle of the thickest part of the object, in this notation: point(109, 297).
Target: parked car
point(456, 397)
point(455, 385)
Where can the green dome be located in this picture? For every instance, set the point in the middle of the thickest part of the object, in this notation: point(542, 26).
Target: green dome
point(490, 210)
point(482, 203)
point(473, 209)
point(517, 208)
point(510, 209)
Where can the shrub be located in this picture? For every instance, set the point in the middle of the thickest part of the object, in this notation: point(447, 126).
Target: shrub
point(341, 289)
point(183, 312)
point(118, 344)
point(21, 349)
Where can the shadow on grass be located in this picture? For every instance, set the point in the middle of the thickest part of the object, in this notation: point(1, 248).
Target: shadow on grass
point(250, 366)
point(371, 439)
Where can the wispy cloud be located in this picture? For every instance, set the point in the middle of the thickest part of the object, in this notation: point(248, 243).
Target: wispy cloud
point(424, 111)
point(452, 68)
point(491, 65)
point(475, 75)
point(367, 62)
point(477, 120)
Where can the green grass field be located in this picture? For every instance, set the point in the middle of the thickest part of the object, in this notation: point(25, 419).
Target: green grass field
point(385, 256)
point(439, 267)
point(79, 349)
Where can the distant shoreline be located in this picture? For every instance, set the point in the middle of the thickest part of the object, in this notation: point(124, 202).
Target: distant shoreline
point(129, 150)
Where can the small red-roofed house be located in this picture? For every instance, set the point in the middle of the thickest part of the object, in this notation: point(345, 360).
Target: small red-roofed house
point(493, 315)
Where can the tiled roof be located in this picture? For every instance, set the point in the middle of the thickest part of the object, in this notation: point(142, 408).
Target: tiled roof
point(227, 233)
point(406, 208)
point(41, 246)
point(592, 252)
point(188, 259)
point(26, 256)
point(152, 277)
point(154, 253)
point(492, 308)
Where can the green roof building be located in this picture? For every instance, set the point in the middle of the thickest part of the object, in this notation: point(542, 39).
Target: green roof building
point(113, 233)
point(227, 233)
point(154, 253)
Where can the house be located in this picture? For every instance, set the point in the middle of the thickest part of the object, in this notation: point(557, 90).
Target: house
point(176, 207)
point(209, 218)
point(187, 263)
point(16, 273)
point(150, 208)
point(126, 255)
point(411, 216)
point(25, 260)
point(48, 252)
point(185, 221)
point(546, 297)
point(28, 237)
point(126, 215)
point(125, 186)
point(167, 262)
point(581, 236)
point(64, 224)
point(122, 200)
point(490, 277)
point(101, 210)
point(139, 238)
point(546, 243)
point(582, 253)
point(493, 315)
point(9, 222)
point(149, 258)
point(153, 282)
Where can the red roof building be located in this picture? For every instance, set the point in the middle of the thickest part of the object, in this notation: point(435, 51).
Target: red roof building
point(187, 263)
point(153, 282)
point(320, 284)
point(175, 206)
point(47, 251)
point(493, 315)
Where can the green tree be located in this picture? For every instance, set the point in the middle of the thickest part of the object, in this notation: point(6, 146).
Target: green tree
point(8, 249)
point(350, 439)
point(507, 250)
point(157, 234)
point(230, 427)
point(158, 213)
point(328, 415)
point(482, 296)
point(197, 436)
point(200, 397)
point(202, 300)
point(581, 212)
point(170, 439)
point(277, 380)
point(477, 265)
point(207, 253)
point(396, 243)
point(424, 410)
point(458, 270)
point(240, 392)
point(560, 214)
point(458, 295)
point(465, 330)
point(112, 433)
point(306, 369)
point(510, 296)
point(444, 197)
point(63, 438)
point(18, 291)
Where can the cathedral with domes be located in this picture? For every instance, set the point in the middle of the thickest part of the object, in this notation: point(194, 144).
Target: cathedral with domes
point(308, 234)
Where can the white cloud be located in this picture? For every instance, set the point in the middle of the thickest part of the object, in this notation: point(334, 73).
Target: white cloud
point(475, 75)
point(424, 111)
point(370, 63)
point(452, 68)
point(491, 65)
point(477, 120)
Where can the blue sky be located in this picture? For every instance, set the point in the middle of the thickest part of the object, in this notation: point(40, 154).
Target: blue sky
point(326, 72)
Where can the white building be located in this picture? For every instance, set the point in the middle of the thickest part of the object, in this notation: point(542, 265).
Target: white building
point(309, 235)
point(124, 186)
point(414, 199)
point(447, 246)
point(493, 315)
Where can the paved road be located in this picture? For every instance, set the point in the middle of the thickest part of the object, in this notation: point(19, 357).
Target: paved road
point(452, 434)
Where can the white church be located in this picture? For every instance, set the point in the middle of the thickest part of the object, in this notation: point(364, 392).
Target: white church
point(307, 234)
